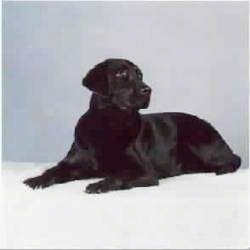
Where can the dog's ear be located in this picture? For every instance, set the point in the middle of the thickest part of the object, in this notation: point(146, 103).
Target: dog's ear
point(97, 80)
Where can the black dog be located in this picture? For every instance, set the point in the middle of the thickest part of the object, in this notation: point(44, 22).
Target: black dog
point(113, 141)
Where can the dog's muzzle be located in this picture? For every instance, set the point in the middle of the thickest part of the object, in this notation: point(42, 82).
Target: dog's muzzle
point(145, 90)
point(145, 93)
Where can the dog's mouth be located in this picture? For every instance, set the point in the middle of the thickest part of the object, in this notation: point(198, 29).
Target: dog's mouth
point(144, 102)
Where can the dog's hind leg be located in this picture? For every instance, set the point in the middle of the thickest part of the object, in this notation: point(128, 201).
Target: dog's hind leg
point(77, 165)
point(217, 156)
point(230, 167)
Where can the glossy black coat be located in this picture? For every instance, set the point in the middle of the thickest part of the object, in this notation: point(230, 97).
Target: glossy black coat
point(115, 142)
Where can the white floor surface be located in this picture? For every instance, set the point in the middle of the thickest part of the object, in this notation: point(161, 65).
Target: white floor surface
point(201, 211)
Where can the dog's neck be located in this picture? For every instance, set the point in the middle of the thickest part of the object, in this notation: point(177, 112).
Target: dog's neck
point(101, 107)
point(98, 102)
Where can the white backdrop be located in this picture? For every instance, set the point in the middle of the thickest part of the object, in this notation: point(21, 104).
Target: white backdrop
point(194, 55)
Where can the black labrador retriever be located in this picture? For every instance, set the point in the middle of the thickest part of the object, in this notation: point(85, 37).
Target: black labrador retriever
point(115, 142)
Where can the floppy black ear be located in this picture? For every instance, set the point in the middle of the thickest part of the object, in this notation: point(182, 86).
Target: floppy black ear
point(97, 80)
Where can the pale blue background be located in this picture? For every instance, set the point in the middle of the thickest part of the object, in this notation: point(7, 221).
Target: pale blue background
point(194, 55)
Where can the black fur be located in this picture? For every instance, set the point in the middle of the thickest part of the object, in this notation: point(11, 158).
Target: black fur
point(115, 142)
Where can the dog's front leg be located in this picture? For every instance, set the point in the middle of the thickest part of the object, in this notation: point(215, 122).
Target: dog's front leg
point(60, 174)
point(78, 164)
point(135, 170)
point(139, 174)
point(119, 183)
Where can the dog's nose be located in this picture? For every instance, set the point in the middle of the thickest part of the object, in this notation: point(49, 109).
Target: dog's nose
point(145, 90)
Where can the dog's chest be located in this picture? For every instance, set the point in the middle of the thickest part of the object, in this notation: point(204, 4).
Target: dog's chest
point(112, 136)
point(107, 133)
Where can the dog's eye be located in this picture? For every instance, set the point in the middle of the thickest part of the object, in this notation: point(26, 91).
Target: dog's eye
point(122, 74)
point(139, 75)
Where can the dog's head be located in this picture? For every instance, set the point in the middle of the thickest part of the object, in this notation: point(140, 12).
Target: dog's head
point(117, 83)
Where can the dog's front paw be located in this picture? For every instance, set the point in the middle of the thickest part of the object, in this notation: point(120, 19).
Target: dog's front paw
point(96, 188)
point(41, 181)
point(103, 186)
